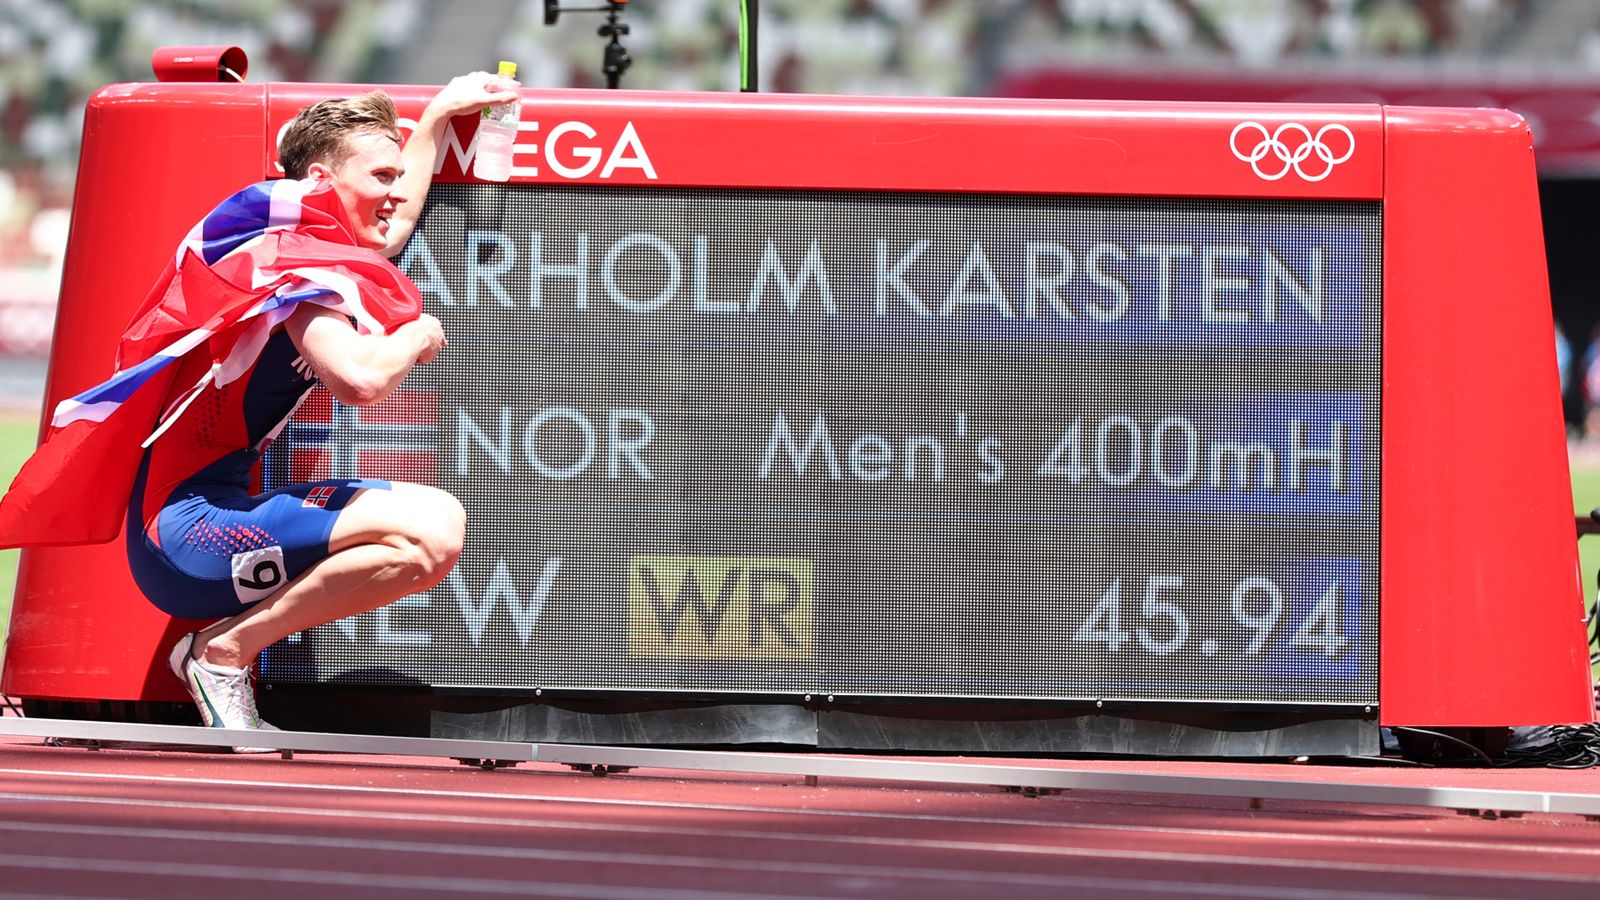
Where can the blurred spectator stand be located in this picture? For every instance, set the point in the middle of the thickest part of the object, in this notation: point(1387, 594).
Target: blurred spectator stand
point(27, 312)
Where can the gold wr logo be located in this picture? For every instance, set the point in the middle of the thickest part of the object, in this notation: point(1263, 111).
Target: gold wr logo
point(719, 607)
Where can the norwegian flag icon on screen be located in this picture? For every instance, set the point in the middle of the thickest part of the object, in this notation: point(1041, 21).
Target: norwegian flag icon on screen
point(396, 439)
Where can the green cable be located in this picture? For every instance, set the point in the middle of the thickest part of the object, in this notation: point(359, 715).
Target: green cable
point(746, 67)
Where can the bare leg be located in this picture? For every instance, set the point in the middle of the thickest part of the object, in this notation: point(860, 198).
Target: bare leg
point(386, 544)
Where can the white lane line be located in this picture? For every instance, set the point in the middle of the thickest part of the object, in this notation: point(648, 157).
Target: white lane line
point(719, 864)
point(1039, 850)
point(1420, 842)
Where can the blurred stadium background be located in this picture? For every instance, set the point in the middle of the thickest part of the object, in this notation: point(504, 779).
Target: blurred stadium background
point(1539, 57)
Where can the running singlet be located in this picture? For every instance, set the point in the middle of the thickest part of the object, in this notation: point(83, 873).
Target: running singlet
point(200, 546)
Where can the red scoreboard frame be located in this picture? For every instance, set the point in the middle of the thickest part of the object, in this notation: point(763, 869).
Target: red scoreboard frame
point(1480, 603)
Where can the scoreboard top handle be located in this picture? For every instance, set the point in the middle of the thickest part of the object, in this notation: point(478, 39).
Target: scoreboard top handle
point(1480, 609)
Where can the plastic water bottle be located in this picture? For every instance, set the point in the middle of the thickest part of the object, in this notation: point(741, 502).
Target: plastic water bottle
point(497, 129)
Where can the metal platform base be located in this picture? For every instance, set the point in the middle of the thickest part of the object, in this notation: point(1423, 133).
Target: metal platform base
point(1026, 779)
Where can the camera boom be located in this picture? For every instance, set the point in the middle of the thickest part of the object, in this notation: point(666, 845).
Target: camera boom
point(616, 59)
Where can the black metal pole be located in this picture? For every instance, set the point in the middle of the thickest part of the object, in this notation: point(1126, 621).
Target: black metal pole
point(617, 60)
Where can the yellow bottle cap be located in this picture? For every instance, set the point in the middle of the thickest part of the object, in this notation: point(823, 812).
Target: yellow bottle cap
point(508, 69)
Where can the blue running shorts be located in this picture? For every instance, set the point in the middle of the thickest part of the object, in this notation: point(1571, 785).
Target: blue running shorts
point(222, 550)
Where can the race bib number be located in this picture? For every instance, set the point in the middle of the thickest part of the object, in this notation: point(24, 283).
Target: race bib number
point(258, 574)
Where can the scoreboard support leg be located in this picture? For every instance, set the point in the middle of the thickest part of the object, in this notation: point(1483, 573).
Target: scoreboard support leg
point(1027, 780)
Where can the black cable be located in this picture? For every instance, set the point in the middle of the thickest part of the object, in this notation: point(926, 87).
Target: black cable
point(1439, 735)
point(15, 709)
point(1569, 747)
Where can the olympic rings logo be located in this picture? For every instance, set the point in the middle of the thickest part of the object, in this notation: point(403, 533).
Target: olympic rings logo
point(1275, 145)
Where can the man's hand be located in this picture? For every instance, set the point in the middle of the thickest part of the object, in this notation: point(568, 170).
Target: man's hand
point(468, 93)
point(464, 94)
point(431, 334)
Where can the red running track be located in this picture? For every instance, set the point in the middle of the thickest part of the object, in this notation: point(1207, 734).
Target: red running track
point(172, 824)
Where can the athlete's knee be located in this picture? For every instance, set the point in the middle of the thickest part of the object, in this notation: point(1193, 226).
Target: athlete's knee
point(436, 534)
point(425, 527)
point(418, 559)
point(450, 524)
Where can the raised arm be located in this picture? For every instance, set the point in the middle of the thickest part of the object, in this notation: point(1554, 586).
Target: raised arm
point(361, 369)
point(464, 94)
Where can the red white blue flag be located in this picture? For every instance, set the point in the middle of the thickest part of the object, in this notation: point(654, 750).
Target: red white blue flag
point(394, 439)
point(238, 274)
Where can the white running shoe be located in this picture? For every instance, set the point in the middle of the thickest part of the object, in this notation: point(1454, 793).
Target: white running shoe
point(225, 696)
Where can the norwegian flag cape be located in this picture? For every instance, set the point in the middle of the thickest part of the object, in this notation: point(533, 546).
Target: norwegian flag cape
point(239, 273)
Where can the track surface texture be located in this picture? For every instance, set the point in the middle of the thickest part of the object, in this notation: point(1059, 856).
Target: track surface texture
point(147, 823)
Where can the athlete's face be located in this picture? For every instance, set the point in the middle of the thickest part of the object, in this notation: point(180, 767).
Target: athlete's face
point(368, 183)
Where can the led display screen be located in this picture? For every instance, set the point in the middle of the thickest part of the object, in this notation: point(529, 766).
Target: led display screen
point(881, 445)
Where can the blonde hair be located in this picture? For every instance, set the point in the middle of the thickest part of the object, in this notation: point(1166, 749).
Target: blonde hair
point(321, 131)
